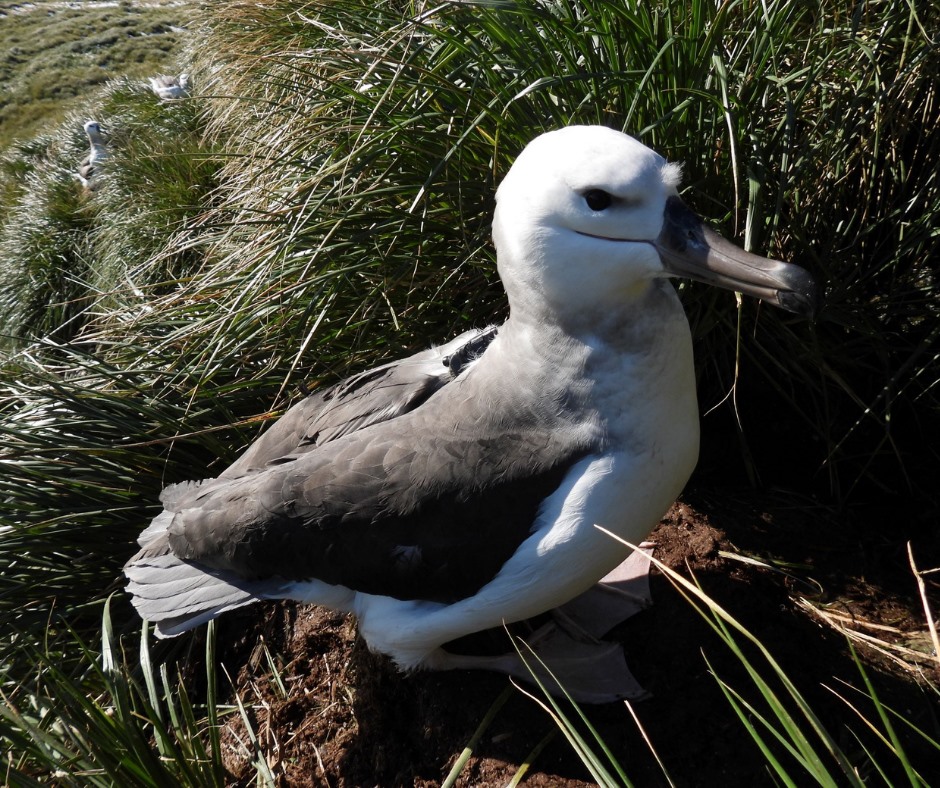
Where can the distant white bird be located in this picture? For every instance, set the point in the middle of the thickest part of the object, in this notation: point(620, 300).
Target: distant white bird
point(170, 87)
point(88, 168)
point(460, 488)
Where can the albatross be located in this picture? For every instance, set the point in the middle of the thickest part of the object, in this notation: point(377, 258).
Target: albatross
point(87, 170)
point(166, 87)
point(458, 490)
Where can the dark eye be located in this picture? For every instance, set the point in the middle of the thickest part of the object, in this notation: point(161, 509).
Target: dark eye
point(597, 199)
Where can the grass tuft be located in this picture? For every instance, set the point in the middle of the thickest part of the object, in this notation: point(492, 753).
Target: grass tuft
point(97, 725)
point(57, 54)
point(323, 201)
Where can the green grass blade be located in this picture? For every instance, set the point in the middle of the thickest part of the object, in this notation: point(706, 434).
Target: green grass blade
point(594, 763)
point(740, 706)
point(895, 743)
point(467, 752)
point(530, 759)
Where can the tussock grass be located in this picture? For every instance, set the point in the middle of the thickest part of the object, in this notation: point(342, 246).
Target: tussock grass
point(324, 202)
point(388, 132)
point(59, 54)
point(45, 255)
point(158, 179)
point(141, 730)
point(67, 254)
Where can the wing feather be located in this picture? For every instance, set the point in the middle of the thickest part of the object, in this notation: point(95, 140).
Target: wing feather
point(380, 484)
point(370, 397)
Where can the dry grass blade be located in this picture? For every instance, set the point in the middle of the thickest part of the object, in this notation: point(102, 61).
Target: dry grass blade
point(922, 588)
point(649, 743)
point(909, 659)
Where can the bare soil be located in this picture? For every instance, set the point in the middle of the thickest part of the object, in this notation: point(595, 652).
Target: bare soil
point(345, 717)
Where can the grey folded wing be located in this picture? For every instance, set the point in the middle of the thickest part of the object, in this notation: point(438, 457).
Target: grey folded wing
point(369, 397)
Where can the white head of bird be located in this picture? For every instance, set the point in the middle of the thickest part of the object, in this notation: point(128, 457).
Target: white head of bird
point(93, 130)
point(589, 218)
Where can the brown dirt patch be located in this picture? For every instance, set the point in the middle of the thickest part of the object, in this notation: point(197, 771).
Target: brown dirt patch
point(342, 716)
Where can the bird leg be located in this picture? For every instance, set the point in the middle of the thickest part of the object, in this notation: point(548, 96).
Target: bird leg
point(565, 654)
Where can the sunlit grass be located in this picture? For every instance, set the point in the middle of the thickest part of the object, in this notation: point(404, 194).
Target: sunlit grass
point(118, 720)
point(57, 55)
point(324, 201)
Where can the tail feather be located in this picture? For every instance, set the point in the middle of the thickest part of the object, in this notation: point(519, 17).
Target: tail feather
point(178, 595)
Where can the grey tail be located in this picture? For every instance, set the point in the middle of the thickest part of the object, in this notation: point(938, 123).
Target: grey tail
point(179, 595)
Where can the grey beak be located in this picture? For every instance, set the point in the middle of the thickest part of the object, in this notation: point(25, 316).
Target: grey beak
point(688, 248)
